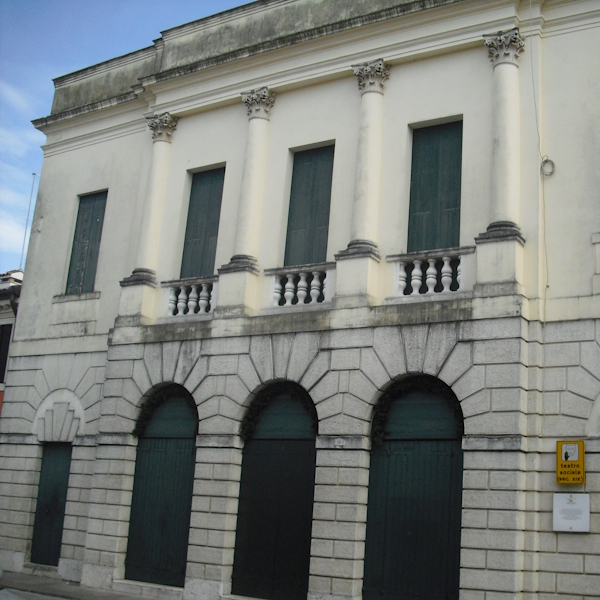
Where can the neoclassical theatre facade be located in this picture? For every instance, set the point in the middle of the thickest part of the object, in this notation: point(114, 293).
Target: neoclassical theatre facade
point(312, 295)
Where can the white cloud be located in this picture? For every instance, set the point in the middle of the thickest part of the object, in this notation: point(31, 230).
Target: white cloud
point(16, 99)
point(13, 200)
point(11, 233)
point(18, 142)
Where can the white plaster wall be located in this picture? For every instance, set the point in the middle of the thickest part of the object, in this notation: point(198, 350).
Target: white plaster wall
point(213, 138)
point(571, 130)
point(118, 164)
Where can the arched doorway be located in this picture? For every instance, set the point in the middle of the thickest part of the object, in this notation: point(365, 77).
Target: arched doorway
point(272, 546)
point(415, 494)
point(162, 488)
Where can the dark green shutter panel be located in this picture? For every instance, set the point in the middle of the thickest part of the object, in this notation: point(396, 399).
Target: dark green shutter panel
point(51, 502)
point(272, 547)
point(434, 214)
point(308, 219)
point(202, 228)
point(86, 244)
point(412, 545)
point(162, 494)
point(5, 331)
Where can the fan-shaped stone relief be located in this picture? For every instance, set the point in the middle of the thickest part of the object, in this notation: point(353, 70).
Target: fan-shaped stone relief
point(59, 418)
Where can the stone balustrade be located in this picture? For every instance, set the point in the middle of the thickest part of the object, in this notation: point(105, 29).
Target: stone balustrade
point(430, 271)
point(193, 296)
point(303, 285)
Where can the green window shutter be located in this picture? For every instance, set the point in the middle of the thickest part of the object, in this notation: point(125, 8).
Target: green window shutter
point(200, 243)
point(434, 213)
point(308, 220)
point(86, 244)
point(5, 331)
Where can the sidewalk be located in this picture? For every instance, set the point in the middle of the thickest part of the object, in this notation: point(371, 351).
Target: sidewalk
point(19, 586)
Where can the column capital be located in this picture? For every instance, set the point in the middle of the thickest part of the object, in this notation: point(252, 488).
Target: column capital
point(162, 126)
point(259, 102)
point(371, 75)
point(504, 46)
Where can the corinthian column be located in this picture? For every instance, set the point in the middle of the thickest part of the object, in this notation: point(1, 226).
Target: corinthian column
point(238, 281)
point(504, 49)
point(371, 77)
point(258, 104)
point(162, 128)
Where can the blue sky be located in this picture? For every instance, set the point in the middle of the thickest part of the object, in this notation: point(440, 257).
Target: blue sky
point(43, 39)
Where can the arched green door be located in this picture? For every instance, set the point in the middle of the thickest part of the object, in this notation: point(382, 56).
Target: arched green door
point(162, 489)
point(415, 490)
point(272, 546)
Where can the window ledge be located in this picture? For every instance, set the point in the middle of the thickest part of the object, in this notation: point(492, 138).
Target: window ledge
point(294, 308)
point(295, 269)
point(427, 254)
point(190, 281)
point(187, 318)
point(75, 297)
point(437, 297)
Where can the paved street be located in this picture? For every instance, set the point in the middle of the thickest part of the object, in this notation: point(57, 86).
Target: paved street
point(19, 586)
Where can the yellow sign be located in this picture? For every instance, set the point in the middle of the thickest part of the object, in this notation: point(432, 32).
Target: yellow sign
point(570, 462)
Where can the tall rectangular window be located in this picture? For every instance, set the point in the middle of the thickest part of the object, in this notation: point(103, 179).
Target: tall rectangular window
point(434, 213)
point(200, 245)
point(5, 331)
point(308, 220)
point(86, 244)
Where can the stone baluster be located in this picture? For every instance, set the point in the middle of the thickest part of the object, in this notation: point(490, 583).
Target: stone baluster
point(431, 276)
point(205, 294)
point(315, 287)
point(459, 272)
point(325, 286)
point(446, 274)
point(416, 277)
point(402, 278)
point(277, 291)
point(193, 300)
point(289, 290)
point(302, 288)
point(172, 307)
point(182, 301)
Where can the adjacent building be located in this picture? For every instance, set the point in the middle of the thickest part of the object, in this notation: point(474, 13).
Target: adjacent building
point(313, 291)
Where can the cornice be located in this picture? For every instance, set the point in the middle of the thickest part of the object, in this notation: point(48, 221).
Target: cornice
point(320, 61)
point(137, 126)
point(107, 65)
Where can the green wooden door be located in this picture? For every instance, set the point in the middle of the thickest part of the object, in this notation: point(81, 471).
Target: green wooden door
point(415, 488)
point(435, 183)
point(162, 494)
point(272, 548)
point(51, 502)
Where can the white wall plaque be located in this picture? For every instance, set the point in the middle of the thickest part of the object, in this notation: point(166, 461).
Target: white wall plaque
point(571, 512)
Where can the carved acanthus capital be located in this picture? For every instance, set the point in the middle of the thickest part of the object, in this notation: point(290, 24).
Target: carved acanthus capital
point(504, 46)
point(258, 102)
point(371, 75)
point(162, 126)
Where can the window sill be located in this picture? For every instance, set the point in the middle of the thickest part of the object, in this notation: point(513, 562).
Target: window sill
point(75, 297)
point(436, 297)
